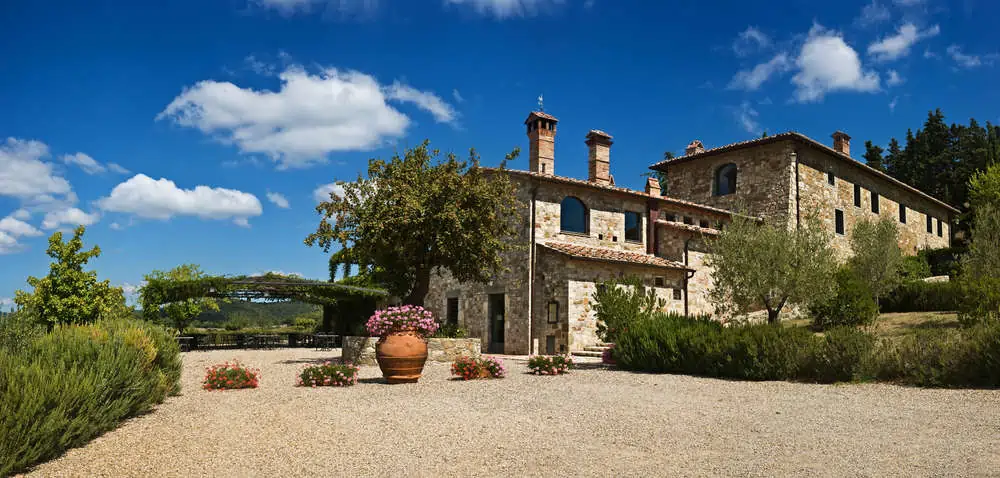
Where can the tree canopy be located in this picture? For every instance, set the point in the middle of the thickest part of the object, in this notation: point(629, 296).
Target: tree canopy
point(68, 294)
point(416, 213)
point(758, 266)
point(180, 312)
point(876, 257)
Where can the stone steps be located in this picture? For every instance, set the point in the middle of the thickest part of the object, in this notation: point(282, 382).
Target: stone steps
point(587, 353)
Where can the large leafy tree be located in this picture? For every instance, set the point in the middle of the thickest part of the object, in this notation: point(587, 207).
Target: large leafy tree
point(417, 213)
point(68, 294)
point(179, 313)
point(980, 278)
point(876, 257)
point(761, 266)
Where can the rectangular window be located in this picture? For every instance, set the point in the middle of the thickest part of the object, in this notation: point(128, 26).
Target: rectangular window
point(703, 223)
point(830, 178)
point(902, 213)
point(452, 312)
point(838, 217)
point(633, 231)
point(688, 220)
point(874, 202)
point(939, 227)
point(553, 312)
point(930, 224)
point(857, 195)
point(677, 294)
point(550, 344)
point(658, 282)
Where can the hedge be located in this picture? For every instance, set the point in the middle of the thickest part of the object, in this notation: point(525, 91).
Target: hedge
point(932, 358)
point(920, 296)
point(77, 382)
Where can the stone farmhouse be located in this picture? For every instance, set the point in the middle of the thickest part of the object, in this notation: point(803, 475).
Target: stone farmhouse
point(576, 233)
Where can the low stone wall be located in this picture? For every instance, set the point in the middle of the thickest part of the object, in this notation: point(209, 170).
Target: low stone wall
point(361, 350)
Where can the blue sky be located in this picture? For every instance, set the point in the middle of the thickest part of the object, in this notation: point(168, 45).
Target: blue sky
point(200, 131)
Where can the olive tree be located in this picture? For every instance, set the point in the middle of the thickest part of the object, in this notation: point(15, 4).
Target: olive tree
point(876, 257)
point(761, 266)
point(417, 213)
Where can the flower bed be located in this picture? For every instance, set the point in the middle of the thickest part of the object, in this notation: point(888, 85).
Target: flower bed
point(328, 375)
point(471, 368)
point(230, 376)
point(406, 318)
point(549, 364)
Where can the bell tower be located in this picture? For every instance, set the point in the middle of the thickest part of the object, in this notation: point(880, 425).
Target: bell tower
point(541, 129)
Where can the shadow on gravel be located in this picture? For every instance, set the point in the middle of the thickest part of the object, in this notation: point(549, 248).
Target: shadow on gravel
point(377, 380)
point(316, 361)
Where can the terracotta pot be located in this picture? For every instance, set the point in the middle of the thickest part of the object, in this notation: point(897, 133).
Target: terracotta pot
point(401, 357)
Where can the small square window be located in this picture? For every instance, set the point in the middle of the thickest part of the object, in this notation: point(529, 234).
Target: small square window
point(902, 214)
point(688, 220)
point(839, 221)
point(830, 178)
point(704, 223)
point(930, 224)
point(553, 312)
point(658, 282)
point(857, 195)
point(677, 294)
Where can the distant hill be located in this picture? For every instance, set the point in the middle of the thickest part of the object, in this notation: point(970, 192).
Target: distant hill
point(260, 313)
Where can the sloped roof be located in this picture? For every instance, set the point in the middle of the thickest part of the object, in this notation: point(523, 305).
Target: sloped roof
point(711, 231)
point(540, 114)
point(605, 254)
point(796, 136)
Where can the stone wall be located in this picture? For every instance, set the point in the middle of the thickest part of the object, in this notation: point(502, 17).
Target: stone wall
point(361, 350)
point(818, 196)
point(763, 181)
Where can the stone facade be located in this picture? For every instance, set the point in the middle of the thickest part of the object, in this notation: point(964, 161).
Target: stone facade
point(361, 350)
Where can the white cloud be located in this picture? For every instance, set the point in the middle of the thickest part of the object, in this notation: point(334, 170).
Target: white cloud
point(21, 214)
point(6, 301)
point(117, 168)
point(873, 13)
point(69, 217)
point(501, 9)
point(8, 244)
point(746, 117)
point(751, 79)
point(308, 118)
point(115, 226)
point(749, 41)
point(17, 228)
point(24, 174)
point(894, 78)
point(964, 60)
point(898, 45)
point(826, 63)
point(908, 3)
point(429, 102)
point(278, 199)
point(322, 193)
point(342, 7)
point(162, 199)
point(86, 163)
point(892, 104)
point(458, 96)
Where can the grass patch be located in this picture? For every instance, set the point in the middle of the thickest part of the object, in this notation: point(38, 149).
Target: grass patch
point(899, 324)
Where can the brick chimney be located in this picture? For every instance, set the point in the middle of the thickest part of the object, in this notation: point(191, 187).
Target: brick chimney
point(694, 148)
point(653, 186)
point(599, 159)
point(542, 137)
point(842, 143)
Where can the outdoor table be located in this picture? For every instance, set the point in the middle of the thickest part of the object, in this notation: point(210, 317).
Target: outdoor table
point(324, 341)
point(185, 343)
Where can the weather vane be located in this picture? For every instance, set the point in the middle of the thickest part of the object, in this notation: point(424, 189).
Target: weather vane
point(541, 106)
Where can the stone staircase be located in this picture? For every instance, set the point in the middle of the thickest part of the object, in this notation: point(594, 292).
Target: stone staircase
point(593, 350)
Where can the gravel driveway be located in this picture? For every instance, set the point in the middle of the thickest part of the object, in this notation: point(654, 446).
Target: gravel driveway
point(593, 422)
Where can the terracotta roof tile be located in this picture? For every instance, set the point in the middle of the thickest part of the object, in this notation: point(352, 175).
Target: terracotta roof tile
point(611, 255)
point(811, 142)
point(541, 115)
point(711, 231)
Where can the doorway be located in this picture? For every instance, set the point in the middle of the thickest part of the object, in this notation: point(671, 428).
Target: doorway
point(495, 310)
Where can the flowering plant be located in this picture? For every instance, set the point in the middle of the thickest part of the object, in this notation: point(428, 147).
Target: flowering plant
point(549, 364)
point(232, 375)
point(328, 374)
point(469, 368)
point(407, 318)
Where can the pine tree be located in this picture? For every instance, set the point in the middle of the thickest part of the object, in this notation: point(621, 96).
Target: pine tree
point(873, 156)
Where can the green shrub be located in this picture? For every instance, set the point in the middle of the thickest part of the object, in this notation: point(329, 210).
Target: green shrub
point(853, 304)
point(620, 303)
point(18, 330)
point(915, 268)
point(944, 261)
point(77, 382)
point(920, 296)
point(451, 331)
point(844, 354)
point(980, 299)
point(306, 324)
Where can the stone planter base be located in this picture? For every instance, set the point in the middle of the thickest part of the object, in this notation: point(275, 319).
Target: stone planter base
point(361, 350)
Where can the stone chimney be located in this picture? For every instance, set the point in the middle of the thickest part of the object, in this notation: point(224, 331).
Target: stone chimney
point(842, 143)
point(653, 186)
point(599, 159)
point(542, 137)
point(694, 148)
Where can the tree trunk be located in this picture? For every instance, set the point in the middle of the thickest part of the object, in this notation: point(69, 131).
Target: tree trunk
point(420, 288)
point(772, 316)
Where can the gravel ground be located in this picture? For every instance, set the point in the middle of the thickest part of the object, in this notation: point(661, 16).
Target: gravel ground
point(593, 422)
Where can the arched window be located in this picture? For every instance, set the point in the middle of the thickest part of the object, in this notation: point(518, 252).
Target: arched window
point(573, 215)
point(725, 179)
